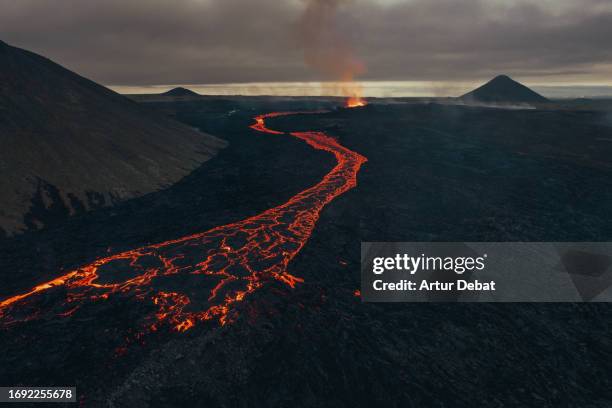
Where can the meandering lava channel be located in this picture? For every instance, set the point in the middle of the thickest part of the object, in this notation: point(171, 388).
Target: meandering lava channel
point(200, 277)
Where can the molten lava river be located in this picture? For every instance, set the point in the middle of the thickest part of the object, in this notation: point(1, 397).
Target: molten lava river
point(221, 266)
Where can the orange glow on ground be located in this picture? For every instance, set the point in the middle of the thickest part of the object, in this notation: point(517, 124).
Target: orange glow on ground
point(355, 101)
point(228, 262)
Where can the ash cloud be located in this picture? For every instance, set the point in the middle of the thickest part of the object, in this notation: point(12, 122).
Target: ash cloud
point(144, 42)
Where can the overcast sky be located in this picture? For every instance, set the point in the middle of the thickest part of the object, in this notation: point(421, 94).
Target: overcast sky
point(147, 42)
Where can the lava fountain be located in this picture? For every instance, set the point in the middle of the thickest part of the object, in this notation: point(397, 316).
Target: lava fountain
point(355, 102)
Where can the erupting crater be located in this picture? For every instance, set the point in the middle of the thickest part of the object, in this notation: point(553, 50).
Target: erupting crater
point(208, 272)
point(355, 102)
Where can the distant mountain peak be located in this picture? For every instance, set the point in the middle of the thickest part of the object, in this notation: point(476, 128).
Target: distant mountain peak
point(503, 89)
point(180, 91)
point(503, 77)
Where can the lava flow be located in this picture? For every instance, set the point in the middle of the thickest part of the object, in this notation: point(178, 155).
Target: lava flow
point(214, 269)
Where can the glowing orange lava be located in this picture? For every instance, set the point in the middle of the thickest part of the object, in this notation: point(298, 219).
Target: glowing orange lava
point(222, 266)
point(355, 101)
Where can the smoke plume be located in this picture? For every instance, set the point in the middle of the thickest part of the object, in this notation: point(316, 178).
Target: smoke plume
point(327, 48)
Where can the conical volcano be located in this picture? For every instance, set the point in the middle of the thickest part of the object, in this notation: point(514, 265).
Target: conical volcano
point(180, 91)
point(503, 89)
point(69, 144)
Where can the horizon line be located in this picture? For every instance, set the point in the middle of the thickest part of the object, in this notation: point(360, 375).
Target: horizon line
point(372, 89)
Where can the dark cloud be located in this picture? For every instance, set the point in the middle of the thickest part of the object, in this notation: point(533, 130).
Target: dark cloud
point(142, 42)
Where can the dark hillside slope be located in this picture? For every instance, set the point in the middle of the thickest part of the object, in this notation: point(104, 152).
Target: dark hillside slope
point(69, 144)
